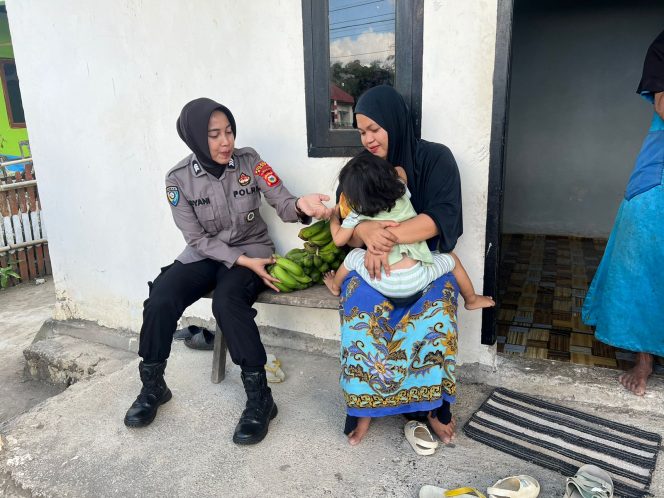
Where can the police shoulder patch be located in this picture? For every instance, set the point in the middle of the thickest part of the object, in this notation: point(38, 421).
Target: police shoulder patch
point(173, 195)
point(264, 170)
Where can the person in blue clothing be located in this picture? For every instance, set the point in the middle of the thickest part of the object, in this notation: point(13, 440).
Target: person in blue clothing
point(632, 262)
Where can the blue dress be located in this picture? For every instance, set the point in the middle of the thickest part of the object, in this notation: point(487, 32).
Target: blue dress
point(625, 301)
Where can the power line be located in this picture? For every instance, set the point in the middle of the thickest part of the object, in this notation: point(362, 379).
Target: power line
point(362, 18)
point(386, 29)
point(362, 24)
point(363, 53)
point(354, 6)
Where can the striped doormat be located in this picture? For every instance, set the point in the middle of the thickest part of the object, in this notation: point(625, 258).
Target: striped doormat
point(562, 439)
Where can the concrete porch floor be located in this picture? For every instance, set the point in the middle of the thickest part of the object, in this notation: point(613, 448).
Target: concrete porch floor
point(75, 444)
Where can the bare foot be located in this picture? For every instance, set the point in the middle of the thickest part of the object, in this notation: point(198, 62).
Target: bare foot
point(635, 379)
point(328, 279)
point(355, 437)
point(445, 432)
point(476, 302)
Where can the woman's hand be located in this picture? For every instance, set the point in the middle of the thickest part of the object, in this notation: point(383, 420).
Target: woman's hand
point(376, 236)
point(312, 205)
point(257, 265)
point(374, 262)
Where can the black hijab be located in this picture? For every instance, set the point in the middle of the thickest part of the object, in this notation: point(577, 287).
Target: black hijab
point(192, 126)
point(652, 79)
point(433, 175)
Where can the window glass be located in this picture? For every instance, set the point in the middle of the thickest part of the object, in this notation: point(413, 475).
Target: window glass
point(362, 53)
point(15, 103)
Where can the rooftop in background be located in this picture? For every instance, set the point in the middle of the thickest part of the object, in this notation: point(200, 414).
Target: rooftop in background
point(339, 95)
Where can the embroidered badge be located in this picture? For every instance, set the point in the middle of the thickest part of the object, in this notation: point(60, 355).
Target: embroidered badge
point(173, 195)
point(250, 216)
point(264, 170)
point(244, 179)
point(196, 166)
point(231, 164)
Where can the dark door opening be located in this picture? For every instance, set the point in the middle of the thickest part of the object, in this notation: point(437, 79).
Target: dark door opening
point(565, 81)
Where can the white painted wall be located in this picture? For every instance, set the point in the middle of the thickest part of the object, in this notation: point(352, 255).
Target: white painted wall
point(102, 88)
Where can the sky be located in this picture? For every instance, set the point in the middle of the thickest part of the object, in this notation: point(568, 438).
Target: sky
point(361, 30)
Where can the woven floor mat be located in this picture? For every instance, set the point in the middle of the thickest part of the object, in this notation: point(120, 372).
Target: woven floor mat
point(563, 439)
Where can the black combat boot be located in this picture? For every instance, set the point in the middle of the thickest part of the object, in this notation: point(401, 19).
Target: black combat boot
point(155, 392)
point(255, 419)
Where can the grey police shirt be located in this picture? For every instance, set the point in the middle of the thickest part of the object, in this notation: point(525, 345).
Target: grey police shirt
point(219, 217)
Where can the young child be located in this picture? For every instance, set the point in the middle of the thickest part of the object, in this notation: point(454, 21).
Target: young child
point(372, 189)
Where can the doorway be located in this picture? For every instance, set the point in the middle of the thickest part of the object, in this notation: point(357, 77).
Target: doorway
point(572, 128)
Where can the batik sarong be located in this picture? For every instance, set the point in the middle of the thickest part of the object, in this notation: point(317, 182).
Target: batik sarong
point(397, 359)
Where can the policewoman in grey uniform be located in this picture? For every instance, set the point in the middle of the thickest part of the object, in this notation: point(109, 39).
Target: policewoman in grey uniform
point(214, 195)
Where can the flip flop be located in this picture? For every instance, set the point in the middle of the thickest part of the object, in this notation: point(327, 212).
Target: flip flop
point(186, 333)
point(273, 370)
point(515, 487)
point(590, 481)
point(428, 491)
point(203, 341)
point(419, 437)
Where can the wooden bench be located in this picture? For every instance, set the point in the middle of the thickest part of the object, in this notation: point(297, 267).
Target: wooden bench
point(314, 297)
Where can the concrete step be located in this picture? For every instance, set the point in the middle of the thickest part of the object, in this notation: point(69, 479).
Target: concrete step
point(61, 359)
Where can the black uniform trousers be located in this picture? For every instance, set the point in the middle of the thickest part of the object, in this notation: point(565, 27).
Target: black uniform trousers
point(180, 285)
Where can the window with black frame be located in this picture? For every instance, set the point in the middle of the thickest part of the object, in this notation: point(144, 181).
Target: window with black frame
point(349, 47)
point(12, 94)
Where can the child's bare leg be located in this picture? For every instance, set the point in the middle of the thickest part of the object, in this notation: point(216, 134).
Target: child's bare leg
point(334, 279)
point(355, 437)
point(472, 301)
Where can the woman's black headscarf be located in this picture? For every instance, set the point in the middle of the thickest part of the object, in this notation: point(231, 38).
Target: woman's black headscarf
point(652, 79)
point(433, 175)
point(192, 126)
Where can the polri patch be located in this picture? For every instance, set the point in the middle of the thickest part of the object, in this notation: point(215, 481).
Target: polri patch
point(244, 179)
point(264, 170)
point(173, 195)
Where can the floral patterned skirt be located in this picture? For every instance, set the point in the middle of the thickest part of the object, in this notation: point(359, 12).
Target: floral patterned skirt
point(397, 359)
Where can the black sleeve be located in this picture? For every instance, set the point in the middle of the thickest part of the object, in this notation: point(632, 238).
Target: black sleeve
point(440, 194)
point(652, 79)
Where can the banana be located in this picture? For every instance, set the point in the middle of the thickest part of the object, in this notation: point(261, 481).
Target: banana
point(308, 261)
point(289, 265)
point(323, 268)
point(321, 239)
point(284, 277)
point(298, 258)
point(328, 257)
point(317, 261)
point(303, 279)
point(310, 248)
point(295, 254)
point(311, 230)
point(282, 287)
point(329, 247)
point(315, 275)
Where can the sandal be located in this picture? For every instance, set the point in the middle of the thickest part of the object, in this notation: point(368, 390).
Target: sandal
point(203, 341)
point(273, 370)
point(428, 491)
point(419, 437)
point(515, 487)
point(589, 482)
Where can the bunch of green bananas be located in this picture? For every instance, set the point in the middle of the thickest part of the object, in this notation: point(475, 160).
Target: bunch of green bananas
point(303, 267)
